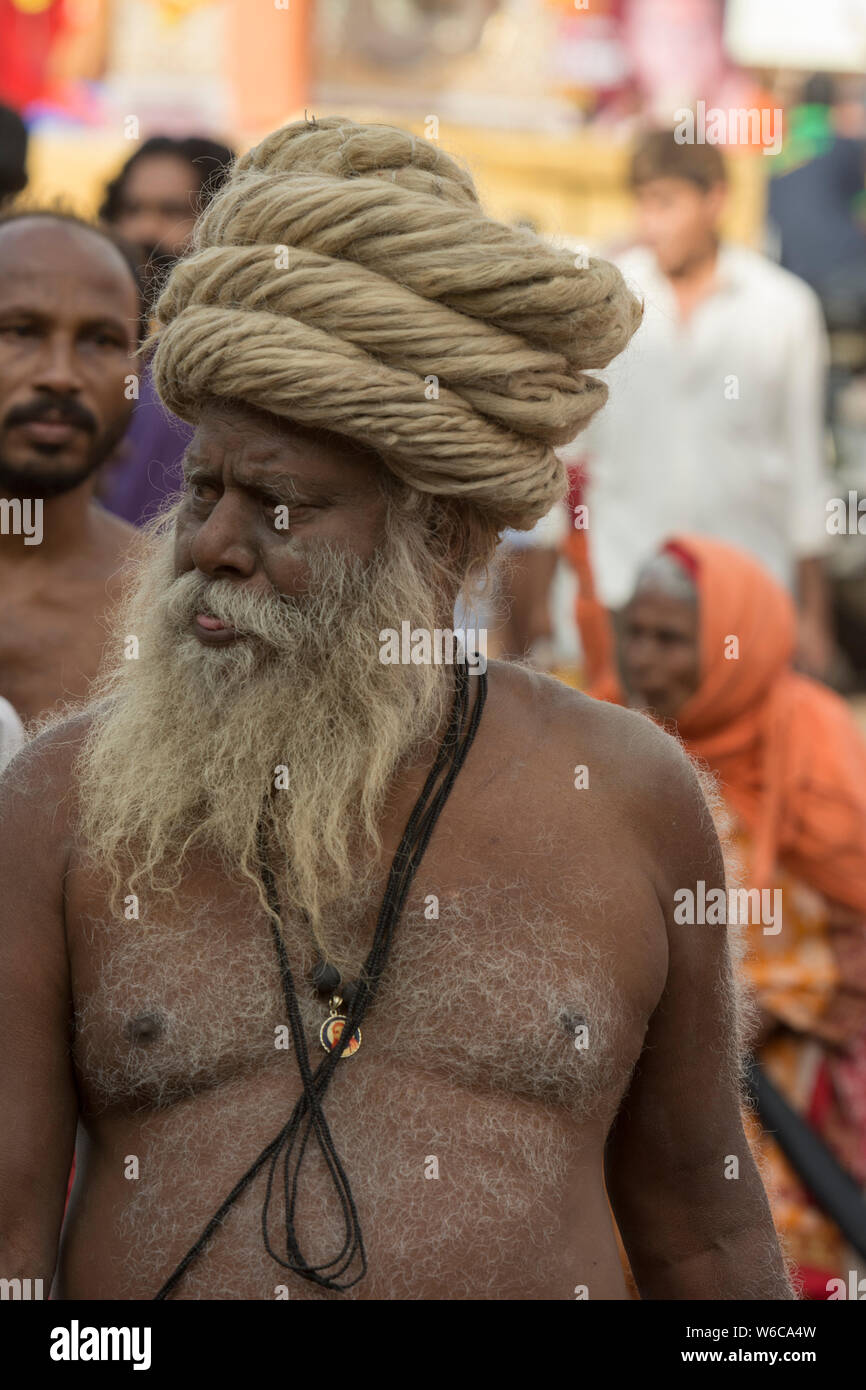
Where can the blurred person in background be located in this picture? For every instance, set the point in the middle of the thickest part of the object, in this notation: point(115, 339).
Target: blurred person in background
point(815, 203)
point(155, 198)
point(71, 315)
point(791, 765)
point(13, 155)
point(518, 616)
point(153, 203)
point(716, 422)
point(526, 582)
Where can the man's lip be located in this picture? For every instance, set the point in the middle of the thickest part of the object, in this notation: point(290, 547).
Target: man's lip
point(50, 431)
point(210, 629)
point(210, 622)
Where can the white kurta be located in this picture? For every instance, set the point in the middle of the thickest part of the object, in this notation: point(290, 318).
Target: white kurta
point(714, 426)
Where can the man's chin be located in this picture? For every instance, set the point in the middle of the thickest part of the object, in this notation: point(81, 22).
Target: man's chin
point(244, 659)
point(38, 480)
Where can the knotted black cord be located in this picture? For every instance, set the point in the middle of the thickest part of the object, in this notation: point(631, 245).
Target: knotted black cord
point(405, 864)
point(308, 1108)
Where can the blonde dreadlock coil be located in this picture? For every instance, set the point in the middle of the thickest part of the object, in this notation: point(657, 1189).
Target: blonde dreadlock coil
point(347, 278)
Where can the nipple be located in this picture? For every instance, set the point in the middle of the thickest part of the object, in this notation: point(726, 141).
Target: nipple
point(145, 1028)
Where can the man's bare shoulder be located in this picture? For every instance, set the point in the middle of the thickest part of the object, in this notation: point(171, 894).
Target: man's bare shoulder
point(118, 534)
point(118, 545)
point(549, 714)
point(635, 772)
point(36, 784)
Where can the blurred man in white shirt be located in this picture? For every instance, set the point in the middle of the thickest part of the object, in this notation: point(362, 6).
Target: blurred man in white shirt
point(716, 419)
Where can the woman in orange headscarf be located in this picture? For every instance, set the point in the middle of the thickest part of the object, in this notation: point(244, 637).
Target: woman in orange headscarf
point(706, 646)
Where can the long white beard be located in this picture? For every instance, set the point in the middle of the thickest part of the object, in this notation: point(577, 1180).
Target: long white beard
point(298, 725)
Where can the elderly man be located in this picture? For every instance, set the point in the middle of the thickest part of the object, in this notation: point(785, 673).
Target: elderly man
point(333, 1019)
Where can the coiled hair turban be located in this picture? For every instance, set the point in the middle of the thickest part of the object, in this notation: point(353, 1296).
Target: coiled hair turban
point(347, 278)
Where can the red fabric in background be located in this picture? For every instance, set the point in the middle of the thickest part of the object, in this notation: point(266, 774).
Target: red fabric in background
point(815, 1282)
point(576, 487)
point(26, 41)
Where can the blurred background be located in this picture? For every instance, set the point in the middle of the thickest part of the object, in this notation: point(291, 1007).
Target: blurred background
point(545, 100)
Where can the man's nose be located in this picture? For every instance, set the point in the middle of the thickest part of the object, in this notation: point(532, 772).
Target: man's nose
point(58, 369)
point(144, 229)
point(221, 547)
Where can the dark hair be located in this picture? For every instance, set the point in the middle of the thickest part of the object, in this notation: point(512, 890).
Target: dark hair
point(657, 155)
point(62, 215)
point(13, 154)
point(209, 160)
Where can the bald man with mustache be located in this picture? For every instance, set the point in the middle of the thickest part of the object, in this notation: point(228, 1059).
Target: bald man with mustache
point(329, 1018)
point(70, 313)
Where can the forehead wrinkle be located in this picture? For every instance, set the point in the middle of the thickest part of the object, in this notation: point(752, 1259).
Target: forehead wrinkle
point(92, 305)
point(299, 486)
point(214, 454)
point(254, 474)
point(246, 478)
point(45, 318)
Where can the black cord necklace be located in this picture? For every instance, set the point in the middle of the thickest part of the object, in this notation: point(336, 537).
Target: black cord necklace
point(308, 1117)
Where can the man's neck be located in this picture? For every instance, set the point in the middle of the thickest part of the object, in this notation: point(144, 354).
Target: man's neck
point(695, 281)
point(44, 531)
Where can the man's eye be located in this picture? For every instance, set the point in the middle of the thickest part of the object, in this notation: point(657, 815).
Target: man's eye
point(200, 492)
point(106, 340)
point(285, 516)
point(18, 330)
point(280, 515)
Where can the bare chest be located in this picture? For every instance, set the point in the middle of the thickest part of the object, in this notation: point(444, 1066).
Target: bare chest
point(508, 986)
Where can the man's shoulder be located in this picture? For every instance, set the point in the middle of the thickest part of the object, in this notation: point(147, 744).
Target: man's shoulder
point(551, 716)
point(40, 773)
point(118, 540)
point(761, 276)
point(644, 790)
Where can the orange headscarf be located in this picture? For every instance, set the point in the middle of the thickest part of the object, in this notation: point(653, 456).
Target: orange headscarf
point(790, 758)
